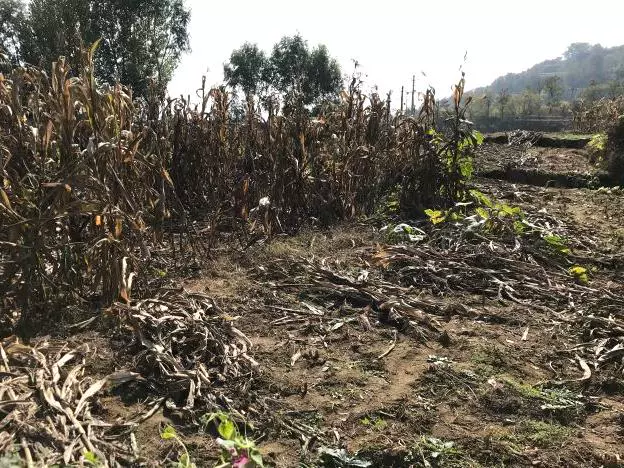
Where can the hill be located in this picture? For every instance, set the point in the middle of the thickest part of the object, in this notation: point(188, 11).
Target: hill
point(543, 97)
point(582, 67)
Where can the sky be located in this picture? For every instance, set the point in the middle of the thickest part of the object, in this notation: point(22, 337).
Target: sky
point(394, 40)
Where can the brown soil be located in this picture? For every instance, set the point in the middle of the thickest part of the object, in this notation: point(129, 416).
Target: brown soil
point(555, 160)
point(478, 390)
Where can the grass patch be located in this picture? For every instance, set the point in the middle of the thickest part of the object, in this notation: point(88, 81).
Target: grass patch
point(531, 433)
point(427, 451)
point(542, 434)
point(550, 398)
point(489, 360)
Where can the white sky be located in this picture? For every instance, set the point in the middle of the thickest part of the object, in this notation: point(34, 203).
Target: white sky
point(394, 39)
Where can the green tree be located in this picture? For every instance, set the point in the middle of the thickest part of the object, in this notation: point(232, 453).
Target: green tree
point(246, 68)
point(503, 100)
point(56, 28)
point(12, 22)
point(553, 90)
point(142, 40)
point(577, 51)
point(530, 103)
point(292, 71)
point(324, 80)
point(293, 68)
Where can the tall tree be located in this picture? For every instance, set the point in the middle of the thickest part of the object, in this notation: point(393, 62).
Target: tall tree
point(503, 99)
point(245, 69)
point(324, 79)
point(12, 21)
point(142, 40)
point(554, 91)
point(56, 28)
point(530, 102)
point(292, 70)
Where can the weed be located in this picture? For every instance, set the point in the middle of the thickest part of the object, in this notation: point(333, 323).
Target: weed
point(374, 421)
point(490, 356)
point(579, 273)
point(541, 434)
point(403, 233)
point(597, 146)
point(237, 450)
point(184, 460)
point(557, 244)
point(560, 402)
point(434, 452)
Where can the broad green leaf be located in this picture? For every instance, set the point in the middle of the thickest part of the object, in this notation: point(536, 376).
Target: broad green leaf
point(482, 212)
point(557, 242)
point(90, 457)
point(168, 433)
point(519, 227)
point(435, 216)
point(509, 210)
point(481, 198)
point(185, 461)
point(256, 457)
point(227, 429)
point(579, 273)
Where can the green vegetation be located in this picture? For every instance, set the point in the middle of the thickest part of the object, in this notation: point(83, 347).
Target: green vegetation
point(184, 460)
point(237, 450)
point(374, 421)
point(112, 198)
point(141, 42)
point(540, 434)
point(552, 89)
point(597, 146)
point(581, 67)
point(292, 70)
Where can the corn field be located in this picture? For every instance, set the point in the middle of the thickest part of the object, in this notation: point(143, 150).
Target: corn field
point(92, 181)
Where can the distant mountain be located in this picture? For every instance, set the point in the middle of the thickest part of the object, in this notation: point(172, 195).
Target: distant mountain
point(582, 66)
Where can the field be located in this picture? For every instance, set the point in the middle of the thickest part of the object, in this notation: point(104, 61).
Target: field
point(362, 346)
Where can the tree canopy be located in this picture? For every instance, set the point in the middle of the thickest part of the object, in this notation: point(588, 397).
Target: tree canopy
point(291, 68)
point(245, 68)
point(12, 17)
point(140, 39)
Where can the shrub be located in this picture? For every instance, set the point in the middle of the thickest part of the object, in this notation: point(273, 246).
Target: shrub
point(615, 151)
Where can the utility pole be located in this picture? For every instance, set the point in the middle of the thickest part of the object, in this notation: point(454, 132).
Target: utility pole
point(402, 99)
point(413, 92)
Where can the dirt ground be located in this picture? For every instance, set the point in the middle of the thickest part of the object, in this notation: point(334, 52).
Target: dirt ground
point(397, 399)
point(498, 383)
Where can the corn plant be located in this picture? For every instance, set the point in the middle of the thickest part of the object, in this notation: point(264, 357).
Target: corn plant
point(79, 187)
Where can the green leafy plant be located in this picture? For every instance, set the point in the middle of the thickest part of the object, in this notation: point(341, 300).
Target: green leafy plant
point(403, 233)
point(579, 273)
point(437, 452)
point(374, 421)
point(91, 459)
point(557, 243)
point(597, 146)
point(237, 450)
point(436, 216)
point(184, 461)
